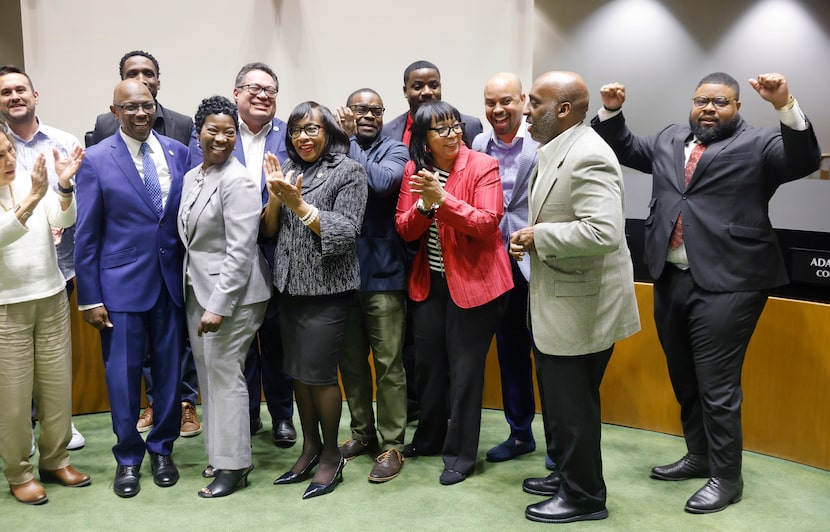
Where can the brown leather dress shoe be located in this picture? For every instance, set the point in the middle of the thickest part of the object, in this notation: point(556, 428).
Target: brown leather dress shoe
point(190, 421)
point(353, 448)
point(387, 466)
point(67, 476)
point(30, 492)
point(145, 421)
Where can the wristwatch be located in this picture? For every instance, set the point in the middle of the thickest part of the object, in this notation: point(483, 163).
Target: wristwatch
point(69, 190)
point(429, 213)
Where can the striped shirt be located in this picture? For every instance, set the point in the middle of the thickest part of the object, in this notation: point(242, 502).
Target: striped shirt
point(436, 259)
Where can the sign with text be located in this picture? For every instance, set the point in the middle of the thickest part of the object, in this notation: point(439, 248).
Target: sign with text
point(810, 266)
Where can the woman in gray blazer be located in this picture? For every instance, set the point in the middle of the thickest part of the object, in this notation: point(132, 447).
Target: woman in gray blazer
point(226, 290)
point(316, 219)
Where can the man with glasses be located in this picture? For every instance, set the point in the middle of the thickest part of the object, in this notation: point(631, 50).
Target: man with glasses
point(713, 254)
point(129, 262)
point(260, 132)
point(378, 315)
point(142, 66)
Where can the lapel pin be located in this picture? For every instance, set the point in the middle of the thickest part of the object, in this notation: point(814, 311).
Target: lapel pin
point(170, 152)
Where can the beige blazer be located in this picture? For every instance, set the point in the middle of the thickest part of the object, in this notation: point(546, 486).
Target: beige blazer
point(222, 260)
point(581, 277)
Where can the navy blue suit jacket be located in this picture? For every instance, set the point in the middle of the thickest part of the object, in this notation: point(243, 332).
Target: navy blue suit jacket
point(124, 253)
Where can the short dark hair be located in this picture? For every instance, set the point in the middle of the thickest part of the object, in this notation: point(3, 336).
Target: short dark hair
point(364, 89)
point(336, 139)
point(215, 105)
point(418, 65)
point(432, 110)
point(134, 53)
point(12, 69)
point(721, 78)
point(256, 66)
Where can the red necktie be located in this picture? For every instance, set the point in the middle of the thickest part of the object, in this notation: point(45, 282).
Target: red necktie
point(691, 164)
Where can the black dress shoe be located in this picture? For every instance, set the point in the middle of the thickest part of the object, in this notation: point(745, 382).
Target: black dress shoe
point(289, 477)
point(225, 482)
point(547, 486)
point(716, 495)
point(256, 425)
point(126, 480)
point(315, 490)
point(557, 510)
point(283, 433)
point(690, 466)
point(165, 473)
point(451, 476)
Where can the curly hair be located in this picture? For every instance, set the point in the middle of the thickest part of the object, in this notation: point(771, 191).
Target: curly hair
point(215, 105)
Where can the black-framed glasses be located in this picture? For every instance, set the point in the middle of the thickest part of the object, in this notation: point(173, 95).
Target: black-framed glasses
point(255, 89)
point(132, 108)
point(720, 102)
point(311, 130)
point(361, 110)
point(444, 131)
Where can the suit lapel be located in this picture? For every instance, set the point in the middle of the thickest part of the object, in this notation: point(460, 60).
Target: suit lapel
point(124, 160)
point(208, 189)
point(526, 159)
point(711, 152)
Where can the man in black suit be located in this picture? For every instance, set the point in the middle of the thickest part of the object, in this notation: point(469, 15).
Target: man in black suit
point(421, 83)
point(713, 253)
point(144, 67)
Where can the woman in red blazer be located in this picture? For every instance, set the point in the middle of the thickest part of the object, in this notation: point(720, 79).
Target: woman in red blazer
point(451, 201)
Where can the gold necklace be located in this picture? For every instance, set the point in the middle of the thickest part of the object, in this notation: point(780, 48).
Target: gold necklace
point(11, 192)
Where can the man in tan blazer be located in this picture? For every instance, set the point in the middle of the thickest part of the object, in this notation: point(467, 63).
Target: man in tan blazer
point(581, 291)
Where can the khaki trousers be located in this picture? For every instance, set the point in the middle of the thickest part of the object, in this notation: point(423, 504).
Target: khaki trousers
point(35, 365)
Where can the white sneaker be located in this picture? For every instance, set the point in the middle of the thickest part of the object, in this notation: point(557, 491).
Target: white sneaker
point(77, 440)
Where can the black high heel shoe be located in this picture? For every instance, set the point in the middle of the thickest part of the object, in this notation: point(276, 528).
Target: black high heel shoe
point(226, 482)
point(289, 477)
point(315, 490)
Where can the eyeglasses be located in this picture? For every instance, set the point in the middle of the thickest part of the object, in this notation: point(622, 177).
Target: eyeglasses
point(444, 131)
point(720, 102)
point(132, 108)
point(311, 130)
point(254, 90)
point(361, 110)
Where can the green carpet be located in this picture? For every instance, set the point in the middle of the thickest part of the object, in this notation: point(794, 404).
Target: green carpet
point(778, 495)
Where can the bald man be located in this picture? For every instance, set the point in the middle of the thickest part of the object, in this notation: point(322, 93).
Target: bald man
point(510, 144)
point(129, 266)
point(581, 291)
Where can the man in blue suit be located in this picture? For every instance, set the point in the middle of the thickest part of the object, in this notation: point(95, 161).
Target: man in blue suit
point(129, 267)
point(510, 144)
point(260, 132)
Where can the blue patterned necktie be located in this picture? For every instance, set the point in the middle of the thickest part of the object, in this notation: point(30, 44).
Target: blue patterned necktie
point(151, 177)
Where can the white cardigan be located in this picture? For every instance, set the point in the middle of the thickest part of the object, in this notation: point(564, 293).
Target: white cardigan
point(27, 252)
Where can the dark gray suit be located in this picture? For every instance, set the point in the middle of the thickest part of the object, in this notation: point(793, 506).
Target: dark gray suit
point(706, 315)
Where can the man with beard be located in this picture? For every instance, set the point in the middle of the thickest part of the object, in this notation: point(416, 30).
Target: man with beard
point(712, 251)
point(378, 315)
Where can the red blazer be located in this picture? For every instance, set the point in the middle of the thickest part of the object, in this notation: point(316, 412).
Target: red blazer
point(476, 263)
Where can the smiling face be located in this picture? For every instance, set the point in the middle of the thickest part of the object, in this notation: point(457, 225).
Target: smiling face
point(256, 110)
point(217, 139)
point(711, 123)
point(17, 99)
point(503, 106)
point(7, 160)
point(444, 149)
point(138, 124)
point(369, 126)
point(309, 148)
